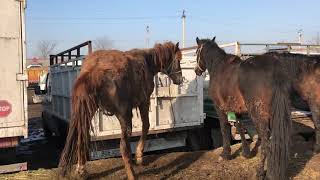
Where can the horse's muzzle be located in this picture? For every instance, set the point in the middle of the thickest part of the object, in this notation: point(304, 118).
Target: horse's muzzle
point(177, 80)
point(198, 71)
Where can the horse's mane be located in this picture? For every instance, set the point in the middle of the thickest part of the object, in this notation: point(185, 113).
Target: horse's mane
point(159, 55)
point(220, 56)
point(297, 62)
point(295, 56)
point(162, 53)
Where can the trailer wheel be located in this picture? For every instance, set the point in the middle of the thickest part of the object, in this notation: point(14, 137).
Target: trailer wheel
point(192, 141)
point(199, 139)
point(216, 137)
point(46, 130)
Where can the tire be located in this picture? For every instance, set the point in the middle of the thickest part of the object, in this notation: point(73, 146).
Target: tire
point(192, 142)
point(199, 139)
point(216, 138)
point(46, 129)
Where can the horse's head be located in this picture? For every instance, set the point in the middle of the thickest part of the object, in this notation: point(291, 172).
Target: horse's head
point(203, 54)
point(172, 66)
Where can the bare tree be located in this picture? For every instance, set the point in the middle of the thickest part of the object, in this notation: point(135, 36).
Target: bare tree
point(316, 39)
point(45, 48)
point(102, 43)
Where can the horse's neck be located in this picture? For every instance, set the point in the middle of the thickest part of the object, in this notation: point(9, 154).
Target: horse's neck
point(217, 60)
point(153, 63)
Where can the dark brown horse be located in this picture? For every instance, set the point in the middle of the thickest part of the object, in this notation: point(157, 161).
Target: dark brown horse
point(116, 82)
point(304, 75)
point(258, 87)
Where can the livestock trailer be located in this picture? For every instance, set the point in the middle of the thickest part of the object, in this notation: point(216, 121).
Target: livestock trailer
point(175, 110)
point(13, 95)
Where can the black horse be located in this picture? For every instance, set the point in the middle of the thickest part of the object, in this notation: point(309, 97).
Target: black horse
point(257, 86)
point(304, 75)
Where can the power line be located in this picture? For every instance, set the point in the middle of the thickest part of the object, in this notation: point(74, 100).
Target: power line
point(103, 18)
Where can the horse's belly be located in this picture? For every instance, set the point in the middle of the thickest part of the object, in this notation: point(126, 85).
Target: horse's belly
point(234, 104)
point(229, 101)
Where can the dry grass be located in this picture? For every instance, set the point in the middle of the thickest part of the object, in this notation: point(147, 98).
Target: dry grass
point(185, 165)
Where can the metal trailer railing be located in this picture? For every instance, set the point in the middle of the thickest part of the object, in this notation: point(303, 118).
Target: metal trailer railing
point(70, 54)
point(237, 48)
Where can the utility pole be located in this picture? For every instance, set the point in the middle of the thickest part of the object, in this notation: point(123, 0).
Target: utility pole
point(147, 37)
point(183, 17)
point(300, 35)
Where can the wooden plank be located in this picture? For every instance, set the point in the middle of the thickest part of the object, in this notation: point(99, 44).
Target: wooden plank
point(8, 142)
point(13, 167)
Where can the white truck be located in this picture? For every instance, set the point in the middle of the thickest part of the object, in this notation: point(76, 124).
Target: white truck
point(174, 112)
point(13, 92)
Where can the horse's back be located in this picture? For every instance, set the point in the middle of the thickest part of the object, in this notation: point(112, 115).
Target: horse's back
point(257, 78)
point(121, 75)
point(258, 69)
point(304, 73)
point(103, 60)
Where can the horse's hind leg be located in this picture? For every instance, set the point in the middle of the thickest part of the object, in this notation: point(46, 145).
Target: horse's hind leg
point(261, 174)
point(315, 110)
point(144, 112)
point(263, 131)
point(264, 134)
point(245, 145)
point(125, 120)
point(225, 131)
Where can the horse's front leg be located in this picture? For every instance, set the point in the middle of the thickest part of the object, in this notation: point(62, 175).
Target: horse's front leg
point(315, 110)
point(144, 112)
point(225, 131)
point(80, 170)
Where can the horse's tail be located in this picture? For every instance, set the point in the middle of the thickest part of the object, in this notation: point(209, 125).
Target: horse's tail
point(83, 107)
point(278, 158)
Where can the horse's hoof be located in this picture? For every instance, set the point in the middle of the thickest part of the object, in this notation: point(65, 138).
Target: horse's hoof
point(80, 175)
point(224, 157)
point(139, 161)
point(246, 155)
point(316, 149)
point(261, 174)
point(131, 176)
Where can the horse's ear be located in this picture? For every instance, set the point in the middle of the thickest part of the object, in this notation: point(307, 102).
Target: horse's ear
point(213, 39)
point(198, 41)
point(176, 47)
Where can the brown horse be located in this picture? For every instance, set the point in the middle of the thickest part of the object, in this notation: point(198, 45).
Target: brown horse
point(258, 87)
point(116, 82)
point(304, 75)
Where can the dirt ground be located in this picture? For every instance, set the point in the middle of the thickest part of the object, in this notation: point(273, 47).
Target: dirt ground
point(42, 156)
